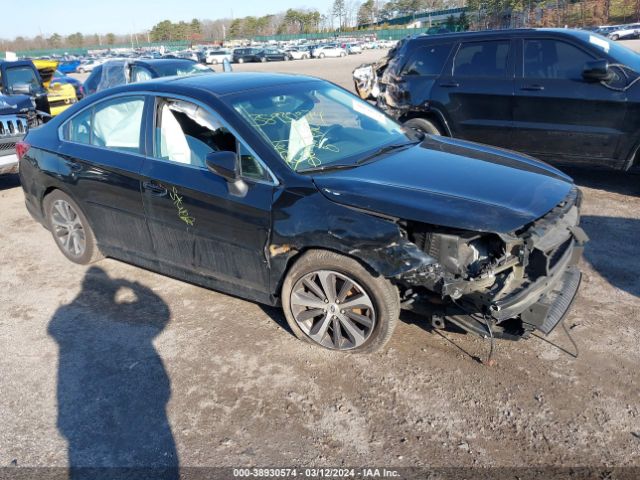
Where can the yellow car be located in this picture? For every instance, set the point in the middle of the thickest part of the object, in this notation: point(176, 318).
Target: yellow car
point(61, 96)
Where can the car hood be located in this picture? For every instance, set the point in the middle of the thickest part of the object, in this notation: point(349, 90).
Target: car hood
point(12, 104)
point(451, 183)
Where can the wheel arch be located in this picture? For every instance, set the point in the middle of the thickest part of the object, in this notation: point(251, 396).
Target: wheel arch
point(297, 254)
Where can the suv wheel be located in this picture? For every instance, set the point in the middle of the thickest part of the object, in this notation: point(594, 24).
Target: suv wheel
point(70, 228)
point(241, 60)
point(332, 301)
point(423, 125)
point(615, 37)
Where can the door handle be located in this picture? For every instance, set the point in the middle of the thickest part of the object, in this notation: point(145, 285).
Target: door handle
point(155, 189)
point(450, 85)
point(533, 88)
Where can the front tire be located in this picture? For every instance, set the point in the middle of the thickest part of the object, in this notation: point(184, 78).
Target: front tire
point(423, 125)
point(70, 228)
point(332, 301)
point(241, 60)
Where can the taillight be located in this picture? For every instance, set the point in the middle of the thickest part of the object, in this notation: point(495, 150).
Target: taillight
point(21, 149)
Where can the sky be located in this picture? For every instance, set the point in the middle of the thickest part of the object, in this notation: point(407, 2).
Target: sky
point(124, 16)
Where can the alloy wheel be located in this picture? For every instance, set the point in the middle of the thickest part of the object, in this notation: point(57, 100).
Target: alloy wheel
point(333, 310)
point(68, 229)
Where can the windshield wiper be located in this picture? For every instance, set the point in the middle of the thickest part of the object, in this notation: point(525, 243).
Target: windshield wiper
point(371, 156)
point(324, 168)
point(386, 149)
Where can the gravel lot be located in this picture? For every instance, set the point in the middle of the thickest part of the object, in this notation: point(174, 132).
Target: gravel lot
point(112, 365)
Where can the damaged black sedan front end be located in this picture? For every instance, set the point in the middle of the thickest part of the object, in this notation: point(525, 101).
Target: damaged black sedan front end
point(476, 252)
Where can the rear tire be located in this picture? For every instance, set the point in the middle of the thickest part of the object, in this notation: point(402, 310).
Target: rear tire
point(423, 125)
point(70, 229)
point(614, 37)
point(354, 310)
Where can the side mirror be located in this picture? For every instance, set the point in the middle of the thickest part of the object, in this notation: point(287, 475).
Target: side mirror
point(597, 71)
point(225, 164)
point(226, 65)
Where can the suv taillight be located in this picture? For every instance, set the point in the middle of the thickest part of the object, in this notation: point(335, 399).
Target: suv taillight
point(21, 149)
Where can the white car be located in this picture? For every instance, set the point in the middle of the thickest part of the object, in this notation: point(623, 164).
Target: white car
point(89, 66)
point(625, 32)
point(353, 48)
point(298, 53)
point(328, 51)
point(214, 57)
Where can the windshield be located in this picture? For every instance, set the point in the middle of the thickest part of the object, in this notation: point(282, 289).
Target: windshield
point(311, 128)
point(22, 75)
point(180, 68)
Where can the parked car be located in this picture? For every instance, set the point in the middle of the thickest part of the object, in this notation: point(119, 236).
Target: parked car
point(330, 50)
point(569, 101)
point(68, 66)
point(243, 183)
point(23, 78)
point(17, 115)
point(243, 55)
point(352, 48)
point(61, 78)
point(60, 95)
point(120, 72)
point(214, 57)
point(89, 65)
point(625, 32)
point(299, 53)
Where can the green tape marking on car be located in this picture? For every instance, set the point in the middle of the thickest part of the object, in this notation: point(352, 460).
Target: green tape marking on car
point(183, 213)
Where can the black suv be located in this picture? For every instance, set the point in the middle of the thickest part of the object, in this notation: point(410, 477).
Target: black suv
point(567, 96)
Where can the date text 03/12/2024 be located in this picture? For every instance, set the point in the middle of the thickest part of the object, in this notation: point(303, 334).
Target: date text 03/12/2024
point(315, 473)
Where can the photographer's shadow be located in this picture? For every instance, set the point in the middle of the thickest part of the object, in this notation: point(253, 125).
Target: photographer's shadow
point(112, 385)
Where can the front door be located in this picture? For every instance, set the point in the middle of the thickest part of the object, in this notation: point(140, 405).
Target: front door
point(476, 92)
point(558, 115)
point(197, 224)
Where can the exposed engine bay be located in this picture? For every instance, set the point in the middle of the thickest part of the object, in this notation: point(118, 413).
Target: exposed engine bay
point(519, 282)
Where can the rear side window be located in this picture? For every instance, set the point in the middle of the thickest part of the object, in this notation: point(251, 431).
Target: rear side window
point(113, 124)
point(482, 59)
point(546, 58)
point(427, 60)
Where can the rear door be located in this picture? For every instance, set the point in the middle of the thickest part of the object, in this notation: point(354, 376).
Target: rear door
point(103, 147)
point(476, 91)
point(196, 223)
point(558, 115)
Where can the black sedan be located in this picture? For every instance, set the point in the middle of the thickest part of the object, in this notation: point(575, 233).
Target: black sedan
point(290, 191)
point(245, 55)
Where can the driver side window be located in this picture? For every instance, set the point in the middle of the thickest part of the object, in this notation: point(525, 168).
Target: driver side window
point(186, 133)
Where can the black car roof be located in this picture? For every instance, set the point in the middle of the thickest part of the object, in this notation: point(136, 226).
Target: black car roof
point(514, 32)
point(151, 62)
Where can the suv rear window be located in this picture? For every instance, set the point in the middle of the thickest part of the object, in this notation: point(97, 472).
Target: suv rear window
point(482, 59)
point(427, 60)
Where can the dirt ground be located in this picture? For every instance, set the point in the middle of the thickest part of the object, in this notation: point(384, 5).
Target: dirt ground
point(113, 365)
